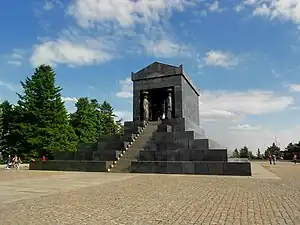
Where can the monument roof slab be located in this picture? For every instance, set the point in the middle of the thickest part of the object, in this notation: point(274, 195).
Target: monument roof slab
point(158, 70)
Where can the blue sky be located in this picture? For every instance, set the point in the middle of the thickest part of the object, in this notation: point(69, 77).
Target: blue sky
point(243, 55)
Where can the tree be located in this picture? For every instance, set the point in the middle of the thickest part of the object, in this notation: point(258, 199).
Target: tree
point(250, 155)
point(274, 150)
point(258, 154)
point(7, 123)
point(236, 153)
point(290, 149)
point(44, 124)
point(84, 121)
point(97, 116)
point(91, 120)
point(244, 152)
point(109, 125)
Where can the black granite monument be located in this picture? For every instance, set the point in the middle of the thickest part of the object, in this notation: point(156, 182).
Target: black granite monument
point(164, 136)
point(178, 145)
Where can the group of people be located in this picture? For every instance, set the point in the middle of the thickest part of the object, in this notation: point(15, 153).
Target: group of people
point(13, 162)
point(272, 158)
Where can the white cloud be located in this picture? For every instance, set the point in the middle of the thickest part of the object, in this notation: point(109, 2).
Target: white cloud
point(239, 7)
point(262, 10)
point(215, 7)
point(70, 103)
point(9, 86)
point(221, 59)
point(126, 89)
point(294, 87)
point(69, 99)
point(125, 26)
point(245, 127)
point(16, 57)
point(18, 53)
point(216, 114)
point(276, 9)
point(223, 115)
point(14, 62)
point(73, 53)
point(231, 105)
point(123, 12)
point(165, 48)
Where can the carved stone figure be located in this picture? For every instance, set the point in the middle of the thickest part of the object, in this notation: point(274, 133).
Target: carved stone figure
point(169, 104)
point(146, 106)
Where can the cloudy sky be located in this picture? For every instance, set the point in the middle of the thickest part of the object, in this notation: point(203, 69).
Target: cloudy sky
point(244, 55)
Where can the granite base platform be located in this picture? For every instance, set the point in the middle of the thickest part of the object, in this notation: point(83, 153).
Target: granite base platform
point(71, 165)
point(192, 167)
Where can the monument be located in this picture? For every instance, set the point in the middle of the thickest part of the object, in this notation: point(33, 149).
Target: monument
point(178, 145)
point(164, 136)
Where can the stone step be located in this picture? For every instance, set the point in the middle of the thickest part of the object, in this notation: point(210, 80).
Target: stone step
point(123, 164)
point(132, 155)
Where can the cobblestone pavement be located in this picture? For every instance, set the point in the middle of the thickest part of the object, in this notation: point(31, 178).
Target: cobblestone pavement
point(101, 198)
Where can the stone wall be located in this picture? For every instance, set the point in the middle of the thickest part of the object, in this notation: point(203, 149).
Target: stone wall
point(183, 155)
point(205, 168)
point(107, 149)
point(190, 103)
point(70, 165)
point(182, 124)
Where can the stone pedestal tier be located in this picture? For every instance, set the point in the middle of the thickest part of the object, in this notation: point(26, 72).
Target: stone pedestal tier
point(196, 167)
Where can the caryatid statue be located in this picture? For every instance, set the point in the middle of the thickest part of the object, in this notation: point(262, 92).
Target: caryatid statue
point(145, 106)
point(169, 104)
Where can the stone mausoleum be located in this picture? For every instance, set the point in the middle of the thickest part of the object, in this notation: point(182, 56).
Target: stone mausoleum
point(164, 136)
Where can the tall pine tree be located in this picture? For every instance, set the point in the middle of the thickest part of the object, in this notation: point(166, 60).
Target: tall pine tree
point(109, 126)
point(84, 121)
point(97, 116)
point(45, 125)
point(7, 142)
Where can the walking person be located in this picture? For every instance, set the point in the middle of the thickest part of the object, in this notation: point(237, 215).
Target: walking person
point(274, 159)
point(295, 158)
point(14, 161)
point(270, 158)
point(18, 163)
point(8, 163)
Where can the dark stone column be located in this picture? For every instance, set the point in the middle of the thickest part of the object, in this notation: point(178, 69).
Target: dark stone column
point(136, 106)
point(145, 107)
point(178, 101)
point(169, 104)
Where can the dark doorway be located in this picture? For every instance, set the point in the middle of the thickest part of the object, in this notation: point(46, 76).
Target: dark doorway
point(157, 103)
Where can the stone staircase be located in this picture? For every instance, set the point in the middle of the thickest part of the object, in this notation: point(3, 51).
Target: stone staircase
point(129, 154)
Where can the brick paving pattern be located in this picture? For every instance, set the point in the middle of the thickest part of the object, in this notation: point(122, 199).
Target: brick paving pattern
point(155, 199)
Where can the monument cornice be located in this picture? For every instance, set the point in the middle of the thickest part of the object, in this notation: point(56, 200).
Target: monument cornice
point(159, 70)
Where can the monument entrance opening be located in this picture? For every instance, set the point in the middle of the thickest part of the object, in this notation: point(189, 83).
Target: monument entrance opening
point(159, 103)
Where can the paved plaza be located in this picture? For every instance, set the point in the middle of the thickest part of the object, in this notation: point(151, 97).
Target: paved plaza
point(271, 196)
